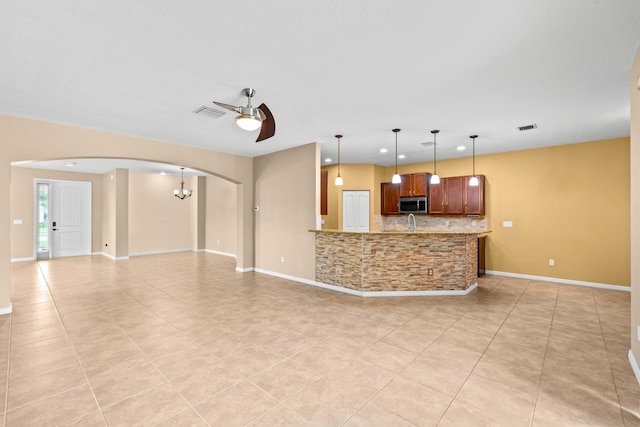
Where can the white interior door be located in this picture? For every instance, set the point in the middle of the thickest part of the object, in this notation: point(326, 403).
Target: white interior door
point(70, 218)
point(355, 210)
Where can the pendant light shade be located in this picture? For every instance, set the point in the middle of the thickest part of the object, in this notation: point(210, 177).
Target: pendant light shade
point(182, 193)
point(435, 179)
point(339, 181)
point(473, 181)
point(396, 177)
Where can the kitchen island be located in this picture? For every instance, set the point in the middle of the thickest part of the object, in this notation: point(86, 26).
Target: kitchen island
point(390, 262)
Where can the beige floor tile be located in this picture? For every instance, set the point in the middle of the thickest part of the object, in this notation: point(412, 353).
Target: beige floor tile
point(280, 416)
point(111, 361)
point(443, 378)
point(186, 361)
point(388, 356)
point(452, 355)
point(477, 326)
point(253, 359)
point(146, 408)
point(200, 384)
point(360, 378)
point(521, 377)
point(466, 339)
point(497, 401)
point(54, 410)
point(410, 341)
point(188, 418)
point(460, 414)
point(236, 406)
point(42, 386)
point(284, 379)
point(325, 404)
point(323, 358)
point(520, 354)
point(375, 416)
point(412, 401)
point(117, 385)
point(93, 419)
point(552, 413)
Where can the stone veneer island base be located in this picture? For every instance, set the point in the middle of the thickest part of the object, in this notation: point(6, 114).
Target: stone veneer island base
point(387, 262)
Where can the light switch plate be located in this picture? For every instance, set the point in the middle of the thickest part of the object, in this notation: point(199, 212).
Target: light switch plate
point(507, 224)
point(17, 221)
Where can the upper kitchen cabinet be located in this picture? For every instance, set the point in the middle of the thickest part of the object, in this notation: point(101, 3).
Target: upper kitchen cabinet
point(474, 197)
point(447, 198)
point(389, 198)
point(454, 196)
point(414, 185)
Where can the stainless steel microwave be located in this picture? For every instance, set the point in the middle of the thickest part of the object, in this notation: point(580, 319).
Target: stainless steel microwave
point(413, 205)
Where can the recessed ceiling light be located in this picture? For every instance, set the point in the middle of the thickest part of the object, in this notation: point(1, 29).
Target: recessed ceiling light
point(327, 160)
point(383, 150)
point(461, 148)
point(163, 173)
point(401, 156)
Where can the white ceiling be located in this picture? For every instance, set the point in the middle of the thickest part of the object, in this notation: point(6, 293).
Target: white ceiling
point(359, 68)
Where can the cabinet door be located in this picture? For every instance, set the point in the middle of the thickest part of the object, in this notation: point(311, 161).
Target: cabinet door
point(437, 198)
point(390, 193)
point(406, 186)
point(419, 184)
point(474, 197)
point(454, 202)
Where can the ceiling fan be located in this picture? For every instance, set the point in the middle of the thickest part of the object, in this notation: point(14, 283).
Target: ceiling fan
point(252, 118)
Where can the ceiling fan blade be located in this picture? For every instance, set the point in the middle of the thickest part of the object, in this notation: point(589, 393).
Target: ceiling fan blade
point(227, 106)
point(268, 128)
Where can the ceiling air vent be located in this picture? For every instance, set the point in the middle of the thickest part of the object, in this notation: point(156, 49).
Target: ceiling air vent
point(208, 111)
point(427, 144)
point(527, 127)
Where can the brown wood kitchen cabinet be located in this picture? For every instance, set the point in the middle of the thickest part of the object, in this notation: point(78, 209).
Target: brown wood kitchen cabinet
point(474, 197)
point(453, 196)
point(389, 198)
point(414, 185)
point(447, 198)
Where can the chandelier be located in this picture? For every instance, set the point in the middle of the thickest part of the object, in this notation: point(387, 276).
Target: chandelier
point(182, 193)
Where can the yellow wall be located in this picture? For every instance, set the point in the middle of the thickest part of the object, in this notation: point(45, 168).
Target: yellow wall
point(560, 206)
point(355, 177)
point(635, 205)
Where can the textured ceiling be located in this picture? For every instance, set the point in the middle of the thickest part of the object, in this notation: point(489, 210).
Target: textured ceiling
point(359, 68)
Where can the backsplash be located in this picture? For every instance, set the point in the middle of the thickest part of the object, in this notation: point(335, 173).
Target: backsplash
point(429, 223)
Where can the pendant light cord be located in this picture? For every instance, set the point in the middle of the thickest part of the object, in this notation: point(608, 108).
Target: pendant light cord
point(435, 133)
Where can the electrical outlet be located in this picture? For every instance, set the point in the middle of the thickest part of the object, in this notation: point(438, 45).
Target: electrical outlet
point(281, 259)
point(638, 332)
point(429, 271)
point(552, 262)
point(218, 242)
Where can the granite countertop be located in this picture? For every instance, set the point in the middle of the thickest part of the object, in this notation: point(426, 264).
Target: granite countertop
point(479, 233)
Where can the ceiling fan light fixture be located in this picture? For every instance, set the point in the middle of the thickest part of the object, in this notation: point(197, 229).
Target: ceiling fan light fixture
point(248, 122)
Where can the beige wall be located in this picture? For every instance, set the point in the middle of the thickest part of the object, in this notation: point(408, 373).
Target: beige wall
point(560, 206)
point(635, 205)
point(108, 242)
point(158, 221)
point(285, 184)
point(221, 215)
point(22, 207)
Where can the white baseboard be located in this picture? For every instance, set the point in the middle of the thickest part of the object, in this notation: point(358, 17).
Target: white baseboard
point(634, 366)
point(22, 260)
point(211, 251)
point(6, 310)
point(120, 258)
point(168, 251)
point(244, 270)
point(563, 281)
point(368, 293)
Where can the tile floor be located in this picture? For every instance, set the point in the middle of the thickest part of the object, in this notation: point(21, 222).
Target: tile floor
point(182, 339)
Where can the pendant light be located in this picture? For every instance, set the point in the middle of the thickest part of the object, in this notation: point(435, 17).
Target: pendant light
point(396, 178)
point(435, 179)
point(182, 193)
point(473, 181)
point(339, 178)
